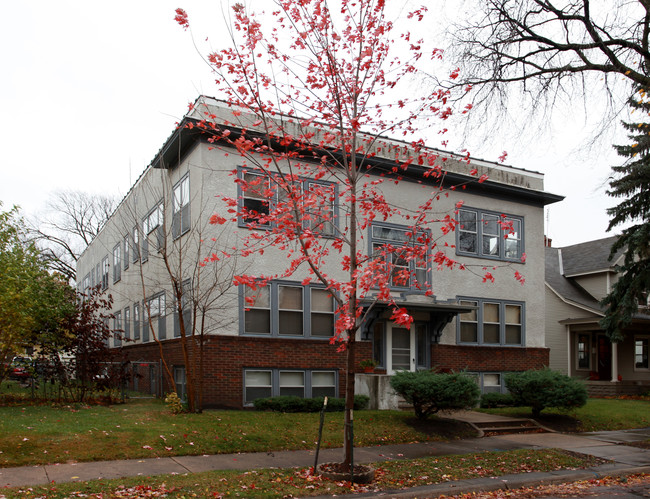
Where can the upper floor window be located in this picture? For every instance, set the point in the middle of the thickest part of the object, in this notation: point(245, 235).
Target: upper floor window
point(490, 235)
point(155, 315)
point(260, 198)
point(135, 249)
point(117, 262)
point(181, 207)
point(493, 322)
point(117, 329)
point(126, 252)
point(288, 309)
point(405, 252)
point(105, 272)
point(152, 224)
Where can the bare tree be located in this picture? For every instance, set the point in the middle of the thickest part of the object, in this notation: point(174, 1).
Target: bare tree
point(72, 220)
point(549, 49)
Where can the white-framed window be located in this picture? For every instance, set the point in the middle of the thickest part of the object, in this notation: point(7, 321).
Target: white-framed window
point(259, 197)
point(287, 309)
point(136, 321)
point(135, 239)
point(583, 351)
point(273, 382)
point(641, 345)
point(181, 207)
point(488, 234)
point(186, 302)
point(117, 262)
point(153, 228)
point(85, 286)
point(494, 322)
point(406, 253)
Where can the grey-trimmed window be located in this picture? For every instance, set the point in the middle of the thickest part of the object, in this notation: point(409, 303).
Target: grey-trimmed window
point(186, 301)
point(181, 207)
point(641, 344)
point(261, 198)
point(489, 234)
point(127, 323)
point(135, 240)
point(180, 381)
point(126, 251)
point(117, 329)
point(583, 351)
point(490, 382)
point(390, 242)
point(105, 268)
point(92, 276)
point(273, 382)
point(153, 223)
point(85, 284)
point(494, 322)
point(136, 321)
point(117, 262)
point(287, 309)
point(155, 309)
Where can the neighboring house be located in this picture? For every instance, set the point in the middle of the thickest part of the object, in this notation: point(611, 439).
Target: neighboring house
point(578, 277)
point(279, 343)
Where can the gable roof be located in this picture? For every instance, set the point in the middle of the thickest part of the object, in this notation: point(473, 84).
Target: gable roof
point(565, 288)
point(589, 257)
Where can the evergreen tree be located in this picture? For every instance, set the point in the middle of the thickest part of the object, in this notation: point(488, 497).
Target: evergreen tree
point(631, 183)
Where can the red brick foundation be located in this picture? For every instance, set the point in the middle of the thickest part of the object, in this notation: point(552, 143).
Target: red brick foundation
point(225, 358)
point(486, 359)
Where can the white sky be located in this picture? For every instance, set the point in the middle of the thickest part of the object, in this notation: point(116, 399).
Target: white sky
point(91, 90)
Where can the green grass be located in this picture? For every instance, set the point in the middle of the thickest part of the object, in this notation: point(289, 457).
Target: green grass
point(298, 482)
point(597, 415)
point(42, 434)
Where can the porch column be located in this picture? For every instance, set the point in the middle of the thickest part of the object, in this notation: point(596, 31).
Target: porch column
point(569, 350)
point(614, 362)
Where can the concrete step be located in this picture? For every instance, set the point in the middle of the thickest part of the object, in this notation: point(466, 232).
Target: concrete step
point(509, 426)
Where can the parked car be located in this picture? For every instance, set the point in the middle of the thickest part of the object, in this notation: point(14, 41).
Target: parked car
point(20, 368)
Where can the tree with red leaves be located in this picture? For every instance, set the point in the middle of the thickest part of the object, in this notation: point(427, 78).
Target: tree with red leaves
point(312, 93)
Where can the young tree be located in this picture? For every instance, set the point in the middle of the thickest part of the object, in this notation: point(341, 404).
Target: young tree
point(631, 184)
point(312, 90)
point(73, 220)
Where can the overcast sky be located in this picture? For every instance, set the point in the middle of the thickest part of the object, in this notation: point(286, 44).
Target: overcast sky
point(91, 90)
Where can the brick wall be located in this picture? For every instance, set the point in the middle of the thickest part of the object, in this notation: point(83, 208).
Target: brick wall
point(482, 358)
point(225, 357)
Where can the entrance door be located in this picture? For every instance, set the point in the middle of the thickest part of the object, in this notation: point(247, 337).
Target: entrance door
point(604, 358)
point(401, 349)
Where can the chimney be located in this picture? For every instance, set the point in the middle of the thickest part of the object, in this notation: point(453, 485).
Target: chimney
point(547, 241)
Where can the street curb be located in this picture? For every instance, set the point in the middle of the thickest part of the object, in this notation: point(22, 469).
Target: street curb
point(506, 482)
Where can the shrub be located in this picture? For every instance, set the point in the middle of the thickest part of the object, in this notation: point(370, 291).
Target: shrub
point(299, 404)
point(491, 400)
point(545, 388)
point(174, 403)
point(430, 392)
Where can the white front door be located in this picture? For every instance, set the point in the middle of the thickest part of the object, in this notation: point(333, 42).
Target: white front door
point(400, 348)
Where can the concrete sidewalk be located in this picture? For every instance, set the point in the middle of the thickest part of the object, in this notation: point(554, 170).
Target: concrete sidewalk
point(625, 459)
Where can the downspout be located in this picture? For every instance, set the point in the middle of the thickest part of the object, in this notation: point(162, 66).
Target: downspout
point(569, 350)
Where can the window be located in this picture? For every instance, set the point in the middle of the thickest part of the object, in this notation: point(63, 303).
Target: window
point(105, 272)
point(258, 199)
point(494, 322)
point(263, 383)
point(117, 262)
point(583, 350)
point(85, 284)
point(186, 300)
point(92, 277)
point(405, 253)
point(180, 382)
point(155, 311)
point(181, 207)
point(117, 329)
point(136, 321)
point(126, 252)
point(489, 235)
point(127, 323)
point(641, 353)
point(153, 224)
point(287, 309)
point(135, 249)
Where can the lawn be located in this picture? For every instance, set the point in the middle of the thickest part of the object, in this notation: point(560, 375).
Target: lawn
point(42, 434)
point(298, 482)
point(597, 415)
